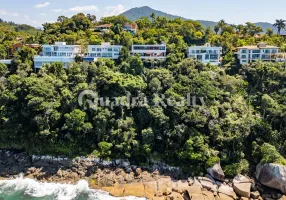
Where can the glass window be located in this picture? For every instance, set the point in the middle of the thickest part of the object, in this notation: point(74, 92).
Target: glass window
point(243, 51)
point(243, 56)
point(255, 51)
point(207, 57)
point(255, 56)
point(214, 57)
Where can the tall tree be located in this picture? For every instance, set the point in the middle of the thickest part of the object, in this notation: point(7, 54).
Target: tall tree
point(280, 25)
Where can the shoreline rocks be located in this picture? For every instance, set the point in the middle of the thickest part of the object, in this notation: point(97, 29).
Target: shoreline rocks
point(160, 182)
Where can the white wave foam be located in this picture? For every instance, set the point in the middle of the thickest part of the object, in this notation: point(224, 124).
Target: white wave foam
point(58, 191)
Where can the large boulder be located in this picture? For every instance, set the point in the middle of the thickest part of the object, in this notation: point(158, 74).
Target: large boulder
point(227, 190)
point(242, 189)
point(216, 172)
point(241, 179)
point(272, 175)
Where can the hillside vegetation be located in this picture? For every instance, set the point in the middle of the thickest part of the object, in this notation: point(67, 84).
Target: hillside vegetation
point(243, 113)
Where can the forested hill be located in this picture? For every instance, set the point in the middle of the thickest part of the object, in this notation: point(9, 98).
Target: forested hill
point(241, 123)
point(24, 28)
point(138, 12)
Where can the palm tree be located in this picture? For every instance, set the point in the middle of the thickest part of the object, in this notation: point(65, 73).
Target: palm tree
point(216, 29)
point(280, 25)
point(221, 24)
point(153, 16)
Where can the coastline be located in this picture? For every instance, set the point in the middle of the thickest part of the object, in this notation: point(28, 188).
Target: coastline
point(121, 179)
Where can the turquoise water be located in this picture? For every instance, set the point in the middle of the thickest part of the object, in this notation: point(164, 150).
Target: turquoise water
point(28, 189)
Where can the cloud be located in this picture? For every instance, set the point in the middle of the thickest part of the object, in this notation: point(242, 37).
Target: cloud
point(113, 10)
point(43, 14)
point(27, 17)
point(57, 10)
point(13, 14)
point(83, 8)
point(42, 5)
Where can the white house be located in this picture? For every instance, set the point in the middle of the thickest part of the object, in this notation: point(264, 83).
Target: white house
point(105, 50)
point(132, 28)
point(156, 51)
point(7, 62)
point(206, 54)
point(262, 51)
point(103, 27)
point(59, 52)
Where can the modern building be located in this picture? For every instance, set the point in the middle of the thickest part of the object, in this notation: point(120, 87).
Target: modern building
point(103, 27)
point(261, 51)
point(154, 51)
point(105, 50)
point(7, 62)
point(206, 54)
point(132, 28)
point(59, 52)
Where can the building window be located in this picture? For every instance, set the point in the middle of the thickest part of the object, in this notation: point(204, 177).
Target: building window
point(214, 57)
point(243, 61)
point(274, 51)
point(255, 51)
point(243, 51)
point(255, 56)
point(207, 57)
point(243, 56)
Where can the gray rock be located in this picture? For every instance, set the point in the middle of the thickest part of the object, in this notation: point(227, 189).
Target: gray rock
point(272, 175)
point(227, 190)
point(242, 189)
point(241, 179)
point(216, 172)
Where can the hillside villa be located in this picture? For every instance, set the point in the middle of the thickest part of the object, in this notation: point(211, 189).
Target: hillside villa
point(59, 52)
point(105, 50)
point(261, 51)
point(206, 54)
point(154, 51)
point(132, 28)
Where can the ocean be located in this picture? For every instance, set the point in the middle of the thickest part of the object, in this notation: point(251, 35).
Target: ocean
point(29, 189)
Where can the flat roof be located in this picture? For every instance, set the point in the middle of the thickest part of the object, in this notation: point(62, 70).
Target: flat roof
point(256, 47)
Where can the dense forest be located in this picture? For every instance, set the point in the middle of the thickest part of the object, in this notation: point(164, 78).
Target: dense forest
point(241, 123)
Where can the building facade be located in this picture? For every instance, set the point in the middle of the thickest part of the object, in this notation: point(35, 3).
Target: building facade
point(132, 28)
point(262, 51)
point(7, 62)
point(156, 51)
point(59, 52)
point(103, 27)
point(105, 50)
point(206, 54)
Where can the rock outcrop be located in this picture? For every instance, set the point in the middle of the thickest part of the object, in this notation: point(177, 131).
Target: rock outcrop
point(216, 172)
point(159, 182)
point(272, 175)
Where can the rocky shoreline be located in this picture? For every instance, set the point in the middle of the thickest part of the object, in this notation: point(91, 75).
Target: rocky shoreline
point(159, 182)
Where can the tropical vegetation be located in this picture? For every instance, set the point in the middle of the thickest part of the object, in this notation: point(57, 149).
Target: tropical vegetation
point(243, 114)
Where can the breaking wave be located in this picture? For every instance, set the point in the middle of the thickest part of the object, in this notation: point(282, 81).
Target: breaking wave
point(29, 189)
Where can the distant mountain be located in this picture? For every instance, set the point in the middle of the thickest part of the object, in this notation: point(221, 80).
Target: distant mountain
point(145, 11)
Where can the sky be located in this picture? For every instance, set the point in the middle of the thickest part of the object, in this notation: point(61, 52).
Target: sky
point(37, 12)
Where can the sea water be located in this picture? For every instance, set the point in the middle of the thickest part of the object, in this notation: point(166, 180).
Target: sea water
point(29, 189)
